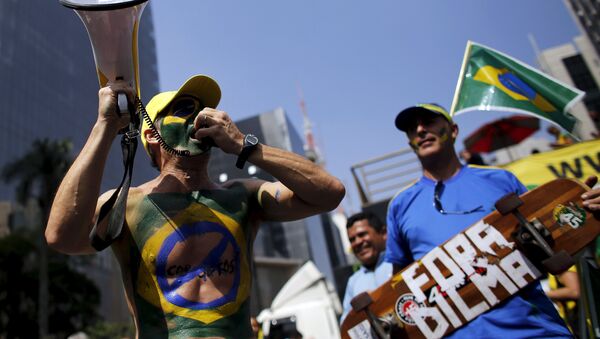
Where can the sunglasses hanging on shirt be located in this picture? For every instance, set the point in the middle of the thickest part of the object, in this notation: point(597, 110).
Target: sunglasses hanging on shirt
point(437, 202)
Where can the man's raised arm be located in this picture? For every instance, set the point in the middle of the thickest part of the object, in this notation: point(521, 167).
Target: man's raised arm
point(73, 211)
point(303, 189)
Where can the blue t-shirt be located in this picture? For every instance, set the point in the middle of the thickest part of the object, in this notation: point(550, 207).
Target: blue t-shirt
point(415, 227)
point(365, 280)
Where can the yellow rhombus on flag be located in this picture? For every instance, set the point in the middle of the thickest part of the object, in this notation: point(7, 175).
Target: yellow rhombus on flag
point(493, 81)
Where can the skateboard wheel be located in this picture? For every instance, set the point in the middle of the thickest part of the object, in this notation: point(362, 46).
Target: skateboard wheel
point(361, 301)
point(508, 203)
point(558, 263)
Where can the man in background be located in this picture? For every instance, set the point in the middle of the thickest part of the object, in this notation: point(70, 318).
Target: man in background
point(367, 235)
point(448, 198)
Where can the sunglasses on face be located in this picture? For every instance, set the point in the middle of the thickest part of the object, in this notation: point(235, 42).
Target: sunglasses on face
point(425, 119)
point(185, 106)
point(437, 203)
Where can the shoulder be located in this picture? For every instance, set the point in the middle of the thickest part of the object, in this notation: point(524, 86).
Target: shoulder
point(384, 266)
point(132, 195)
point(250, 188)
point(105, 196)
point(490, 172)
point(496, 176)
point(250, 185)
point(406, 191)
point(352, 280)
point(404, 195)
point(486, 170)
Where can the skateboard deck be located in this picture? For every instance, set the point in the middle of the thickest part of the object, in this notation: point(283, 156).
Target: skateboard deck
point(480, 267)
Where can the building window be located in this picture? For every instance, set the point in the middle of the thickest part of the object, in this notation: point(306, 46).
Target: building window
point(580, 73)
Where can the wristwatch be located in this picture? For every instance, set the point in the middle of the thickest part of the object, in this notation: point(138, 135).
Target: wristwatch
point(250, 143)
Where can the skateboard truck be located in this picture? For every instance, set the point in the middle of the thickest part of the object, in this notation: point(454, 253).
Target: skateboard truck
point(534, 237)
point(361, 303)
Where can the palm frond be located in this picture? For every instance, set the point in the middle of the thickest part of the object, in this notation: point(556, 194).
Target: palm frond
point(40, 170)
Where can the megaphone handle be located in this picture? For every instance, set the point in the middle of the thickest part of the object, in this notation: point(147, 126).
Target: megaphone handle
point(122, 103)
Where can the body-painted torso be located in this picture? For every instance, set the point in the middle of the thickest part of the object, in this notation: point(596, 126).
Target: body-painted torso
point(188, 260)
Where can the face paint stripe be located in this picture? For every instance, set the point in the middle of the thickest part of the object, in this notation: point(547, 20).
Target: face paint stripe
point(443, 134)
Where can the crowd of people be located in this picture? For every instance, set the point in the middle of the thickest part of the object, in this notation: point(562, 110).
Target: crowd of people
point(185, 247)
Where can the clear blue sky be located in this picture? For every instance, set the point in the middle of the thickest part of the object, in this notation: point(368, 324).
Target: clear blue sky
point(357, 62)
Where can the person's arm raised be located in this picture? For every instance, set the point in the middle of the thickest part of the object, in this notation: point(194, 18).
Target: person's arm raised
point(303, 189)
point(74, 208)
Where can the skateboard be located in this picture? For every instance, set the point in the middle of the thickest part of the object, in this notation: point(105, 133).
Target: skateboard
point(525, 237)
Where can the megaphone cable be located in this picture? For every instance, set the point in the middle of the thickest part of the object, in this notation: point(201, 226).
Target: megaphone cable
point(114, 207)
point(161, 141)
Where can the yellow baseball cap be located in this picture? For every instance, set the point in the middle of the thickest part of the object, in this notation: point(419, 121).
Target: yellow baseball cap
point(199, 86)
point(405, 115)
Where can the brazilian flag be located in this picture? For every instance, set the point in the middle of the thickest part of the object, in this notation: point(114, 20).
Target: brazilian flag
point(493, 81)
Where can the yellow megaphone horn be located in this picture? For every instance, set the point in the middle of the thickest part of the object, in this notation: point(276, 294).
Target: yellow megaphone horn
point(112, 27)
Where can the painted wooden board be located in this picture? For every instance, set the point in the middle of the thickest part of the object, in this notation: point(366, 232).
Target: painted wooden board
point(476, 269)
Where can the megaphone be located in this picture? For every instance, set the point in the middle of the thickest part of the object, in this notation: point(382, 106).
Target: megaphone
point(112, 27)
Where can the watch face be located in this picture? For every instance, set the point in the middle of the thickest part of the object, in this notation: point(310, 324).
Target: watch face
point(250, 140)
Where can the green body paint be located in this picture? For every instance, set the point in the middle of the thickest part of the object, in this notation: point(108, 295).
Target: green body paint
point(178, 133)
point(177, 125)
point(189, 260)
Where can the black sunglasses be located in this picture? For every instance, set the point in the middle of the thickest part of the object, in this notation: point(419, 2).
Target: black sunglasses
point(437, 193)
point(185, 106)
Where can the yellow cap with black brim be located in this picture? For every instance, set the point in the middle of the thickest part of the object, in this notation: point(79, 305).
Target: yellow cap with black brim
point(202, 87)
point(405, 115)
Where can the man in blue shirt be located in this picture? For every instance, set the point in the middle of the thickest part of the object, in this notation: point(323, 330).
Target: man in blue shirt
point(367, 237)
point(447, 199)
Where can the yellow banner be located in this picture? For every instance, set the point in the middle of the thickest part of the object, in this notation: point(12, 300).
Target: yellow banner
point(577, 161)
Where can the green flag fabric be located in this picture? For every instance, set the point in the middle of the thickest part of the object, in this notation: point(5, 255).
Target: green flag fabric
point(493, 81)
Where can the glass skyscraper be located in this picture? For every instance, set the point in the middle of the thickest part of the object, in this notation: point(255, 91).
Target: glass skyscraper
point(49, 89)
point(587, 16)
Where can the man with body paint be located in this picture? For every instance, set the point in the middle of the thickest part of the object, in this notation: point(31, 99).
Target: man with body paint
point(367, 235)
point(447, 199)
point(185, 250)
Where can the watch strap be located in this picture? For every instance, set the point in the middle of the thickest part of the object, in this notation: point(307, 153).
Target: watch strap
point(246, 151)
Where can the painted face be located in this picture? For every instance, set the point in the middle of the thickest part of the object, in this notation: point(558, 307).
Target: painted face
point(366, 242)
point(429, 134)
point(177, 125)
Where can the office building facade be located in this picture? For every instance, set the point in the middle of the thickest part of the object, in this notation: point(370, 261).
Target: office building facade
point(586, 14)
point(578, 65)
point(49, 89)
point(49, 86)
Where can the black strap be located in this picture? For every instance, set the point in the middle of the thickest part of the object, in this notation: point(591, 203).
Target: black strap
point(116, 205)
